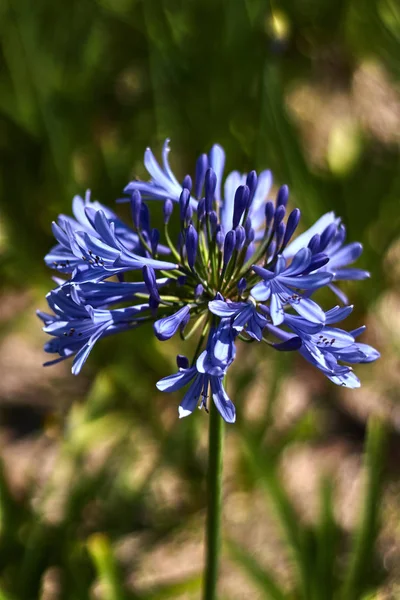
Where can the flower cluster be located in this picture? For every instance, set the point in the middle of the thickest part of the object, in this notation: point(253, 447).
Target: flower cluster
point(233, 273)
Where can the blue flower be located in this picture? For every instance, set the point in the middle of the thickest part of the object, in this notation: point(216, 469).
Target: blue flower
point(61, 257)
point(242, 315)
point(323, 345)
point(234, 270)
point(327, 236)
point(200, 383)
point(163, 183)
point(101, 255)
point(75, 328)
point(105, 293)
point(278, 286)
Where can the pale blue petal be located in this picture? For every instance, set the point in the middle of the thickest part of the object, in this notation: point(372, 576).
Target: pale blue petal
point(175, 382)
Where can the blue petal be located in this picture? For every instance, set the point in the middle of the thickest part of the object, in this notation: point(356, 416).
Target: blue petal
point(217, 163)
point(294, 343)
point(300, 261)
point(338, 292)
point(157, 174)
point(346, 255)
point(175, 382)
point(84, 352)
point(222, 401)
point(167, 168)
point(263, 188)
point(308, 309)
point(265, 274)
point(350, 274)
point(167, 327)
point(337, 313)
point(232, 182)
point(191, 398)
point(261, 292)
point(307, 282)
point(225, 309)
point(276, 308)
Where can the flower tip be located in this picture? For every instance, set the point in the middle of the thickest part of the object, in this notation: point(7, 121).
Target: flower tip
point(183, 412)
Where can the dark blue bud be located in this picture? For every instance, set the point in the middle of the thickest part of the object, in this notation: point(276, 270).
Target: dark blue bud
point(136, 203)
point(184, 200)
point(201, 209)
point(146, 238)
point(251, 182)
point(291, 225)
point(189, 213)
point(327, 235)
point(229, 246)
point(247, 225)
point(198, 291)
point(240, 203)
point(166, 327)
point(191, 245)
point(181, 280)
point(201, 168)
point(282, 196)
point(318, 260)
point(242, 285)
point(187, 183)
point(240, 237)
point(269, 213)
point(210, 185)
point(271, 250)
point(279, 215)
point(154, 240)
point(145, 217)
point(149, 278)
point(314, 243)
point(213, 221)
point(153, 303)
point(220, 239)
point(250, 236)
point(168, 208)
point(182, 362)
point(279, 235)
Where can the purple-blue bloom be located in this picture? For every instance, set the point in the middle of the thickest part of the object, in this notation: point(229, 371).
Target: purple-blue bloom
point(233, 270)
point(200, 384)
point(242, 315)
point(278, 286)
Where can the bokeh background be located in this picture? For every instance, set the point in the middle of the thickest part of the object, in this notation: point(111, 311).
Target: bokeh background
point(102, 489)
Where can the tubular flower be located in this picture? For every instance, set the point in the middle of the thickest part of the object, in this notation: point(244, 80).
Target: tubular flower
point(233, 273)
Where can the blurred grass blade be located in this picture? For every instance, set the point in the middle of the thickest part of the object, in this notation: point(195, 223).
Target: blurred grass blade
point(261, 578)
point(265, 471)
point(106, 567)
point(359, 570)
point(175, 589)
point(326, 540)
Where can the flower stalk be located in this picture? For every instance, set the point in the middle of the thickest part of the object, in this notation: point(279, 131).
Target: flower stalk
point(214, 503)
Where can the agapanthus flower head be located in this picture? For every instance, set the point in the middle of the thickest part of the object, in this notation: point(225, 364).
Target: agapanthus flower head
point(234, 272)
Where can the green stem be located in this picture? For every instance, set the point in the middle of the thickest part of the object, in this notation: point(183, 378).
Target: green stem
point(214, 502)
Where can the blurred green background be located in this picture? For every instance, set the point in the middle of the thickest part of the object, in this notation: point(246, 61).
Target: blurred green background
point(102, 489)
